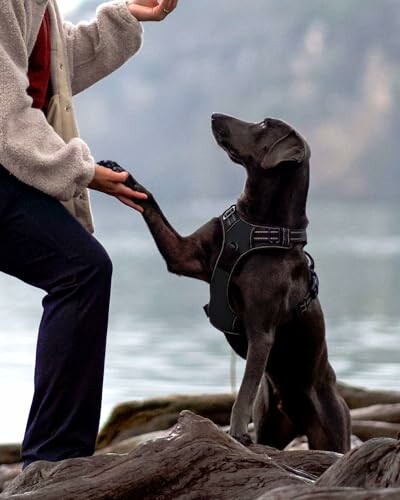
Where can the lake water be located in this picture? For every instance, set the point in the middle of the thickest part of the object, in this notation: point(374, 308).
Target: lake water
point(160, 341)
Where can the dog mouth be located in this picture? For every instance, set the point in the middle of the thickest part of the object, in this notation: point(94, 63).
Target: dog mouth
point(232, 152)
point(222, 135)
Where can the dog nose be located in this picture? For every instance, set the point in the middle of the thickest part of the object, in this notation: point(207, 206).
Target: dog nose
point(219, 125)
point(217, 116)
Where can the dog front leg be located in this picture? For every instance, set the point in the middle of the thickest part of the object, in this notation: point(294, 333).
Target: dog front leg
point(259, 347)
point(185, 256)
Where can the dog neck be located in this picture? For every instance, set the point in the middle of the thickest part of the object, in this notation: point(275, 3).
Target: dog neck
point(277, 197)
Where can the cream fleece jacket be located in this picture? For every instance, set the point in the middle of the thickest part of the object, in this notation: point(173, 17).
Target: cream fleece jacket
point(30, 149)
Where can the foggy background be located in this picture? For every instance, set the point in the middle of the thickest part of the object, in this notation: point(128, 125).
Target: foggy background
point(329, 68)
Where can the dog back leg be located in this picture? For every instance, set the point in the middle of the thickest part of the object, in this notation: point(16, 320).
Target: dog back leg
point(259, 347)
point(328, 425)
point(272, 426)
point(306, 383)
point(321, 414)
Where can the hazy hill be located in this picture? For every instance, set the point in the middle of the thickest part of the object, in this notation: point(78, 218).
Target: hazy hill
point(329, 68)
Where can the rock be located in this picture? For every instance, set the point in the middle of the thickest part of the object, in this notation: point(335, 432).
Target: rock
point(196, 460)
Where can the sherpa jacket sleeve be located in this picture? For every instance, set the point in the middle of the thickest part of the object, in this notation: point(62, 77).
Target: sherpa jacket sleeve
point(29, 147)
point(98, 48)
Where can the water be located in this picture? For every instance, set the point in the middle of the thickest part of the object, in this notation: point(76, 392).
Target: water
point(160, 341)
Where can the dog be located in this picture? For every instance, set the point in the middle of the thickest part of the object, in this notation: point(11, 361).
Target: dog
point(289, 386)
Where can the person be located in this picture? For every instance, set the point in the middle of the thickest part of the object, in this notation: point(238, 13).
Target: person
point(45, 220)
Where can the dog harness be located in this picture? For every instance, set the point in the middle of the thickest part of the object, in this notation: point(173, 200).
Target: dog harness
point(241, 238)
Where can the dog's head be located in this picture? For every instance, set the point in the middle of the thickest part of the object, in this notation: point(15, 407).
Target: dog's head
point(266, 144)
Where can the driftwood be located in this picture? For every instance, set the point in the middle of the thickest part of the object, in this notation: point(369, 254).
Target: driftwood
point(317, 493)
point(370, 472)
point(196, 461)
point(132, 419)
point(375, 464)
point(365, 429)
point(135, 418)
point(313, 463)
point(131, 444)
point(8, 473)
point(357, 397)
point(10, 453)
point(384, 413)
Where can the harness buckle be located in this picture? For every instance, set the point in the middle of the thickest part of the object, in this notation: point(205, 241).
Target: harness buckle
point(284, 237)
point(229, 212)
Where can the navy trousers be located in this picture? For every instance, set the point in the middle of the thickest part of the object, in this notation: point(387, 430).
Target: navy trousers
point(44, 246)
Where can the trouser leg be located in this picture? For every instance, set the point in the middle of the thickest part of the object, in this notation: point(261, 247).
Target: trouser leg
point(43, 245)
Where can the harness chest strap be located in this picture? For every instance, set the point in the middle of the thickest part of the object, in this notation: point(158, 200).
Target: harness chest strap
point(239, 239)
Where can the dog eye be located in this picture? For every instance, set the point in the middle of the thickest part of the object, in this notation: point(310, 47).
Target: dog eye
point(263, 124)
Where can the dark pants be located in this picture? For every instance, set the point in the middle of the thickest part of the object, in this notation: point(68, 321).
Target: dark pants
point(44, 246)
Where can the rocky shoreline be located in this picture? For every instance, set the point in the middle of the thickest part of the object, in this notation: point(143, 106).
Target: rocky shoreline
point(178, 448)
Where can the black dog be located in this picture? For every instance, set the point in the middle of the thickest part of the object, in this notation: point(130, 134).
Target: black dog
point(284, 347)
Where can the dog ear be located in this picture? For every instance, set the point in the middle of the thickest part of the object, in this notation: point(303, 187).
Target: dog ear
point(291, 147)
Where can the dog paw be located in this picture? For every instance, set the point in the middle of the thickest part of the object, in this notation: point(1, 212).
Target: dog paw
point(244, 439)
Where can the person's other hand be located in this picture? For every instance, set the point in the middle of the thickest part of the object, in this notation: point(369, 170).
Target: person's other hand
point(151, 10)
point(112, 183)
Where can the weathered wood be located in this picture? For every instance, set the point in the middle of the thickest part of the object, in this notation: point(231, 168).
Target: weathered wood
point(10, 453)
point(128, 445)
point(196, 461)
point(311, 462)
point(317, 493)
point(301, 443)
point(370, 429)
point(134, 418)
point(8, 473)
point(357, 397)
point(381, 413)
point(375, 464)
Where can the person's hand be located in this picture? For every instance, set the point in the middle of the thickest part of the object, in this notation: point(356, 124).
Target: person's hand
point(112, 183)
point(151, 10)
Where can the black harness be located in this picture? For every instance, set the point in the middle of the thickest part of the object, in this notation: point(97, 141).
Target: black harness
point(239, 240)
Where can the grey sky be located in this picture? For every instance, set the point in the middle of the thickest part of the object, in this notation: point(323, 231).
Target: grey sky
point(68, 5)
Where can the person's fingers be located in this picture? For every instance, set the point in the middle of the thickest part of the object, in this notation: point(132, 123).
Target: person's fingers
point(109, 174)
point(165, 7)
point(122, 190)
point(118, 176)
point(130, 203)
point(171, 5)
